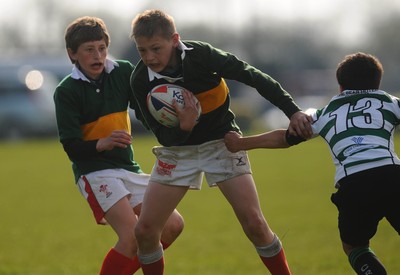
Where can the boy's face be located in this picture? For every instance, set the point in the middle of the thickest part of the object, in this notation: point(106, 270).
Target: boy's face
point(157, 52)
point(91, 57)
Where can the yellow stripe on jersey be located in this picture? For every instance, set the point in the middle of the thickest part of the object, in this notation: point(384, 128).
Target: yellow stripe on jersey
point(212, 99)
point(104, 126)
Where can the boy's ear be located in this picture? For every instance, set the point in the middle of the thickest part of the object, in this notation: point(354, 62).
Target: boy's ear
point(71, 55)
point(175, 39)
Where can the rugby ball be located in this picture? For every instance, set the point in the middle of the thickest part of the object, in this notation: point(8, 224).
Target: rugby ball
point(159, 103)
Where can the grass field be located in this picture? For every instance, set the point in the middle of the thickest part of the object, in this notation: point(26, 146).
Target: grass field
point(46, 227)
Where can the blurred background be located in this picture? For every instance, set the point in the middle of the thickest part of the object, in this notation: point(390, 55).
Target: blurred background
point(299, 43)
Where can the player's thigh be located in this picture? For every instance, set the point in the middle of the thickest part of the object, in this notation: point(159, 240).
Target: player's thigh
point(392, 212)
point(159, 203)
point(359, 213)
point(241, 193)
point(122, 218)
point(391, 200)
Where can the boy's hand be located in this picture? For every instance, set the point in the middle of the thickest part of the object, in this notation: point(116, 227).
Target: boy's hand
point(118, 138)
point(231, 140)
point(188, 115)
point(300, 125)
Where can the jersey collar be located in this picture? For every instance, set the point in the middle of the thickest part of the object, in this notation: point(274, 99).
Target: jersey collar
point(77, 73)
point(356, 92)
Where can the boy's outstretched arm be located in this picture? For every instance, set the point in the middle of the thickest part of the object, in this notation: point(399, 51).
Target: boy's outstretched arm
point(273, 139)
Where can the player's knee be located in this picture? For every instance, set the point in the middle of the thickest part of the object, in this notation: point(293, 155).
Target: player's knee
point(176, 224)
point(144, 232)
point(172, 229)
point(255, 226)
point(347, 248)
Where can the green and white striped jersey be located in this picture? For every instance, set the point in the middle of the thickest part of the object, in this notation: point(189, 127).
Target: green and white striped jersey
point(358, 126)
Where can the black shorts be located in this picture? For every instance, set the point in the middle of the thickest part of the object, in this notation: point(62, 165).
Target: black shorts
point(364, 199)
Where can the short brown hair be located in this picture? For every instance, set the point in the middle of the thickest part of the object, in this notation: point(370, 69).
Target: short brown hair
point(359, 71)
point(151, 23)
point(85, 29)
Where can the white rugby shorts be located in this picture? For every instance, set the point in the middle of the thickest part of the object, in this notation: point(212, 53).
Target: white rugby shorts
point(186, 165)
point(103, 188)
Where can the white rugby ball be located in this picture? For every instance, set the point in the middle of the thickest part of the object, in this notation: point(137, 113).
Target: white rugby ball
point(159, 102)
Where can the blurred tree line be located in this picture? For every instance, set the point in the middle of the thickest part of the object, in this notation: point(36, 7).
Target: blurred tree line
point(301, 55)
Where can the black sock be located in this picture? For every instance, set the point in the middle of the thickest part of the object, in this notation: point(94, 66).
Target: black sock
point(364, 261)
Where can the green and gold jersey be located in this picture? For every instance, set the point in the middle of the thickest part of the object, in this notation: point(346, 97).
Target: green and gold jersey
point(86, 111)
point(359, 128)
point(204, 69)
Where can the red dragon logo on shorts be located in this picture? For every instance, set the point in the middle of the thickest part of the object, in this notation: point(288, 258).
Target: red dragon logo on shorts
point(104, 189)
point(164, 168)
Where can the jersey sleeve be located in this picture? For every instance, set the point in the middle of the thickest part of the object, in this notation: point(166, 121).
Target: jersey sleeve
point(67, 114)
point(293, 140)
point(229, 66)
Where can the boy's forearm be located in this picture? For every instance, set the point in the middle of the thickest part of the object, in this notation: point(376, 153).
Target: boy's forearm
point(273, 139)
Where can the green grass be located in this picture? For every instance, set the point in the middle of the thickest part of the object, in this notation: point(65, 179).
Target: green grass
point(46, 228)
